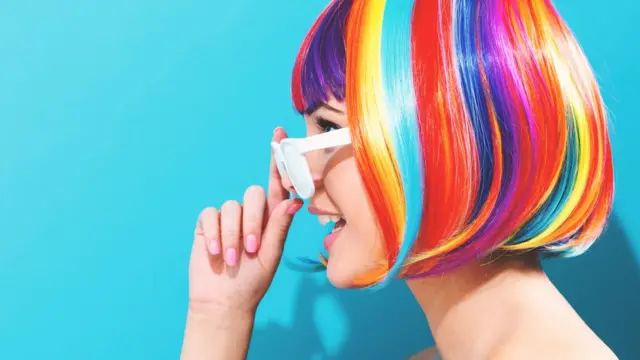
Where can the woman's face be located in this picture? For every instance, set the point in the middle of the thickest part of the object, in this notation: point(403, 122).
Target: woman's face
point(355, 246)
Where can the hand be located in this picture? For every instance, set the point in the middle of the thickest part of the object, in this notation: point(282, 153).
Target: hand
point(237, 248)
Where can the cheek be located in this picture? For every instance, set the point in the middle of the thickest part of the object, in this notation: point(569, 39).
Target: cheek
point(348, 193)
point(359, 247)
point(345, 188)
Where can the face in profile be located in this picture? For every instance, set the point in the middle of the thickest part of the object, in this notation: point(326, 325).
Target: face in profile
point(354, 244)
point(452, 159)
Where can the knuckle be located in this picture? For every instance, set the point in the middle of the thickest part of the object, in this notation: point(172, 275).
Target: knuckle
point(207, 215)
point(207, 221)
point(250, 226)
point(230, 205)
point(231, 233)
point(283, 226)
point(276, 184)
point(208, 212)
point(254, 191)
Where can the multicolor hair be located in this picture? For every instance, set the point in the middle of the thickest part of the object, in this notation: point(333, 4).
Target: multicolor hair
point(486, 113)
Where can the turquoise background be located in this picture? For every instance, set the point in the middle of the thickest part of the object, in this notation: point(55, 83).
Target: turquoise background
point(120, 120)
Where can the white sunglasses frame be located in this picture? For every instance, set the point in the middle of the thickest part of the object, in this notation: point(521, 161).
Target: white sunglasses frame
point(335, 138)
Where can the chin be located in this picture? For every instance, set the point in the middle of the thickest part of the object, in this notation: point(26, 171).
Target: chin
point(338, 277)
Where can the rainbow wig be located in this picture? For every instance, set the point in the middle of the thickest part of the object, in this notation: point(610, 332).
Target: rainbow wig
point(487, 115)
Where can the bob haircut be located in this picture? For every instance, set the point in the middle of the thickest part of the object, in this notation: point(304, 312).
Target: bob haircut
point(477, 126)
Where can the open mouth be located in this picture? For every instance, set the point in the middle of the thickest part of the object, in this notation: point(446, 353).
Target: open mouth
point(338, 224)
point(337, 221)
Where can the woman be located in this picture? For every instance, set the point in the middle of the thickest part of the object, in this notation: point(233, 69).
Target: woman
point(453, 143)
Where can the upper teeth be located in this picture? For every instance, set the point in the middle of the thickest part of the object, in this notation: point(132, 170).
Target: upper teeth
point(324, 219)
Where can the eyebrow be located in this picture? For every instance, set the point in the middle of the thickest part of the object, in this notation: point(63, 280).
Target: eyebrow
point(328, 107)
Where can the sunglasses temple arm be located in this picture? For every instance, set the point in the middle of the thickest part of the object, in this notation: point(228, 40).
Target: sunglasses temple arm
point(323, 141)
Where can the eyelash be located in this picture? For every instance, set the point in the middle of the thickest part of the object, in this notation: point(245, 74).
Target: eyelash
point(326, 125)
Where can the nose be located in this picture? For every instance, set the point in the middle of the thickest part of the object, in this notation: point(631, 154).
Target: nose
point(316, 163)
point(316, 174)
point(286, 182)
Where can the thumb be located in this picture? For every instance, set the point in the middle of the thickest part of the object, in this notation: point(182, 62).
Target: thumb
point(277, 230)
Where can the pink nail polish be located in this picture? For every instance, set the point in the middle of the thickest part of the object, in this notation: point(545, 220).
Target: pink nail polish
point(294, 208)
point(232, 257)
point(252, 243)
point(214, 248)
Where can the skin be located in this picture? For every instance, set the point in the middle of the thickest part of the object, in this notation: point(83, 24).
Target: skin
point(499, 308)
point(230, 272)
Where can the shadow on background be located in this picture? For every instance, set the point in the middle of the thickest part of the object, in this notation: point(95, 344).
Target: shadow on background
point(603, 285)
point(387, 324)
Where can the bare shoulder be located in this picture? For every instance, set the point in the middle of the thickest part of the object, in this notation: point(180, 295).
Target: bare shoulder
point(578, 348)
point(528, 353)
point(427, 354)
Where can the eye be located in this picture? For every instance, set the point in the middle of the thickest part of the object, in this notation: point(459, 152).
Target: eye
point(326, 125)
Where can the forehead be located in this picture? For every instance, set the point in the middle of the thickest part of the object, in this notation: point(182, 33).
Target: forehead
point(337, 104)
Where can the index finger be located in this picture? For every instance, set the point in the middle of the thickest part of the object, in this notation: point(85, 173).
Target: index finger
point(276, 192)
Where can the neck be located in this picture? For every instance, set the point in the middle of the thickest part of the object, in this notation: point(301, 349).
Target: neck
point(474, 310)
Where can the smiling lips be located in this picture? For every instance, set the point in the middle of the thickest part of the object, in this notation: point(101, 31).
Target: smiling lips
point(324, 217)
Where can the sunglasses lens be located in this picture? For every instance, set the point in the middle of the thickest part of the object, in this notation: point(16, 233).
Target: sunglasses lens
point(298, 170)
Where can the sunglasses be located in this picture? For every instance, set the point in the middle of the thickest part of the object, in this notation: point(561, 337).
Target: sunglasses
point(291, 161)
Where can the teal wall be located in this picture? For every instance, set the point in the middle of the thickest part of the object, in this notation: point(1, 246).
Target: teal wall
point(120, 120)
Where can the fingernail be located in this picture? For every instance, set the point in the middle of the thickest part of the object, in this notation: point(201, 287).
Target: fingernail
point(294, 208)
point(212, 246)
point(232, 257)
point(252, 243)
point(215, 247)
point(276, 130)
